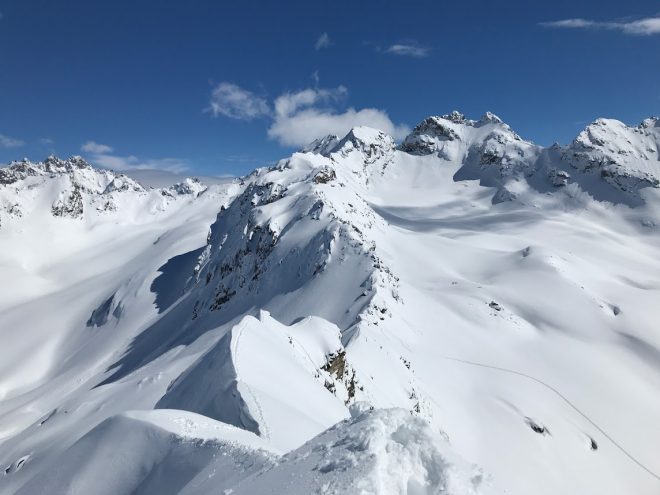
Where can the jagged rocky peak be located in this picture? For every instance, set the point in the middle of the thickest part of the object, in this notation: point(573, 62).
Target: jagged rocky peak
point(122, 183)
point(371, 142)
point(321, 146)
point(613, 136)
point(436, 134)
point(192, 186)
point(626, 157)
point(490, 118)
point(425, 136)
point(81, 174)
point(361, 149)
point(651, 122)
point(19, 170)
point(53, 164)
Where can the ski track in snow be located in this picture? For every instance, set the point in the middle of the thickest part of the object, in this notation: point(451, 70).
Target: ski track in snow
point(563, 398)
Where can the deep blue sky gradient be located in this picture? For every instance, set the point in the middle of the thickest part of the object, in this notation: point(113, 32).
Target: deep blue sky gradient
point(137, 75)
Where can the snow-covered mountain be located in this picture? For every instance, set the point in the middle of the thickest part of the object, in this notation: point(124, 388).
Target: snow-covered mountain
point(464, 312)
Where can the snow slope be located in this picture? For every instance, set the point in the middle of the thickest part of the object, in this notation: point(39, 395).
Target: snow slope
point(501, 293)
point(287, 368)
point(151, 452)
point(381, 451)
point(171, 451)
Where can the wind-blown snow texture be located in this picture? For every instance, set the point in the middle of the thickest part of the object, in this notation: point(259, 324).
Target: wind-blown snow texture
point(465, 312)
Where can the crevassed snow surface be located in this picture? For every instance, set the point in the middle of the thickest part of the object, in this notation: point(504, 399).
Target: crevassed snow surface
point(500, 296)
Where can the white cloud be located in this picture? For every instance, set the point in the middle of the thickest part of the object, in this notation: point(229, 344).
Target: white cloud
point(646, 26)
point(322, 42)
point(409, 48)
point(569, 23)
point(297, 118)
point(306, 115)
point(235, 102)
point(123, 163)
point(101, 155)
point(289, 103)
point(10, 142)
point(243, 159)
point(94, 147)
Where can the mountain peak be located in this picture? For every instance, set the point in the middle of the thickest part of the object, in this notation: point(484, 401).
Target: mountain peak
point(455, 116)
point(54, 164)
point(366, 135)
point(371, 142)
point(436, 133)
point(19, 170)
point(321, 146)
point(650, 122)
point(490, 118)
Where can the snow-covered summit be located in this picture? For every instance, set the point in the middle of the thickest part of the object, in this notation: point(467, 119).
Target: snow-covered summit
point(81, 173)
point(365, 138)
point(192, 186)
point(321, 145)
point(18, 170)
point(71, 187)
point(608, 160)
point(627, 158)
point(432, 134)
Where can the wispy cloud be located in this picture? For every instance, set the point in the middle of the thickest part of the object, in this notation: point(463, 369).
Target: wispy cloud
point(289, 103)
point(299, 117)
point(322, 42)
point(409, 48)
point(641, 27)
point(10, 142)
point(243, 159)
point(123, 163)
point(404, 48)
point(234, 102)
point(97, 148)
point(46, 141)
point(101, 155)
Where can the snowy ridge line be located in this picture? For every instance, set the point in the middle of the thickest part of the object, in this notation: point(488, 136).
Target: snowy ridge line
point(562, 397)
point(263, 429)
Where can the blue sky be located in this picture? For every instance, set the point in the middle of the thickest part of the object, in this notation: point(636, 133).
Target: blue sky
point(222, 87)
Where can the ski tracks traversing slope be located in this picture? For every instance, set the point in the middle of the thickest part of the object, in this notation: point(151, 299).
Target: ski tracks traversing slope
point(485, 284)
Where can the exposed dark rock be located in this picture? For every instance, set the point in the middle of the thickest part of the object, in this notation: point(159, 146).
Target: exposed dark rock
point(325, 176)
